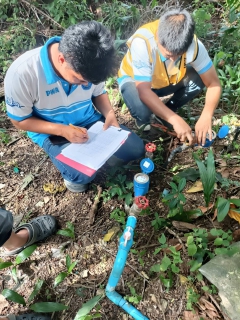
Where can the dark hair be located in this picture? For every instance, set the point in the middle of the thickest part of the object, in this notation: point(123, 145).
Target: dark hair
point(176, 31)
point(88, 48)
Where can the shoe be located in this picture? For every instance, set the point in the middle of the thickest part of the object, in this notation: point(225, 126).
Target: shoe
point(28, 316)
point(39, 229)
point(163, 122)
point(75, 187)
point(144, 126)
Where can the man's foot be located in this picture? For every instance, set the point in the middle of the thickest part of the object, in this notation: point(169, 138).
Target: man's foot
point(75, 187)
point(38, 229)
point(140, 125)
point(27, 316)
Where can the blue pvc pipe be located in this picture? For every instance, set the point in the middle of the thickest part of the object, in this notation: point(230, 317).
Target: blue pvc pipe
point(118, 267)
point(122, 254)
point(121, 302)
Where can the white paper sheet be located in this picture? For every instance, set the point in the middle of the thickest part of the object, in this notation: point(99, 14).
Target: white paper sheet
point(99, 148)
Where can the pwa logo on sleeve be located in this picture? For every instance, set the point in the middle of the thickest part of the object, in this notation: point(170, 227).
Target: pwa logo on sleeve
point(12, 103)
point(52, 91)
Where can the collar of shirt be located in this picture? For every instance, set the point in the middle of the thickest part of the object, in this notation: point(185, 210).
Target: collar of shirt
point(50, 74)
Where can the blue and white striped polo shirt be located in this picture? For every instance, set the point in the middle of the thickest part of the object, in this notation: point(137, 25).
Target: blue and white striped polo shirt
point(32, 88)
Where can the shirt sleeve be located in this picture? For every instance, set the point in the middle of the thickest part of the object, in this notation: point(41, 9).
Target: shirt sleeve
point(18, 98)
point(142, 69)
point(99, 89)
point(203, 62)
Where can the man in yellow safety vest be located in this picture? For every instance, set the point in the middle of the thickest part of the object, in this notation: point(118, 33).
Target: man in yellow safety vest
point(165, 58)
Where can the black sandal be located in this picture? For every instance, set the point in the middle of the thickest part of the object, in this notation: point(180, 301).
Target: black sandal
point(39, 229)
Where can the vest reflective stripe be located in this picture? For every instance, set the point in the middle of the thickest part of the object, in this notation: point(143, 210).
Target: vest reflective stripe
point(160, 78)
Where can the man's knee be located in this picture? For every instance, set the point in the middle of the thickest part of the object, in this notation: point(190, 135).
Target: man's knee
point(135, 105)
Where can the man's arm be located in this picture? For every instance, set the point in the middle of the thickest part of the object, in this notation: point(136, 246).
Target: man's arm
point(102, 103)
point(204, 124)
point(41, 126)
point(152, 101)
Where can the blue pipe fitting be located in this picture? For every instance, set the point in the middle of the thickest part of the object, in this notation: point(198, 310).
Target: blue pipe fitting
point(121, 302)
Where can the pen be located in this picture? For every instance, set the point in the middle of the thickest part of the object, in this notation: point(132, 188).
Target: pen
point(77, 128)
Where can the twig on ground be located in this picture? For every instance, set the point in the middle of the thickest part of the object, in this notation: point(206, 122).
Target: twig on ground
point(94, 226)
point(95, 206)
point(150, 238)
point(79, 285)
point(176, 236)
point(148, 246)
point(12, 142)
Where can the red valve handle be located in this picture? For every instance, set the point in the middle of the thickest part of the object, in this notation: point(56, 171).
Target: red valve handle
point(150, 147)
point(142, 202)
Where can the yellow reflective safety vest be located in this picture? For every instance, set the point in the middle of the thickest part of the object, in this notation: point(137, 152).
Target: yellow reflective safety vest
point(160, 78)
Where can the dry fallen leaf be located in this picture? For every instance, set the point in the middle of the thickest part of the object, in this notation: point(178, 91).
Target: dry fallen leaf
point(224, 172)
point(215, 214)
point(111, 233)
point(183, 226)
point(178, 247)
point(183, 280)
point(53, 188)
point(197, 186)
point(205, 209)
point(233, 214)
point(191, 315)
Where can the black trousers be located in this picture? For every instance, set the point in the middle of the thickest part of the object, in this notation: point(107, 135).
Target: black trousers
point(6, 225)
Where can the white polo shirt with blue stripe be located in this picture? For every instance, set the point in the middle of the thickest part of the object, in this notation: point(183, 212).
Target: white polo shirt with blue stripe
point(33, 89)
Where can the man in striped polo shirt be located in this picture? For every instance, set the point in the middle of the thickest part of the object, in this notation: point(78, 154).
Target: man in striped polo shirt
point(48, 88)
point(165, 59)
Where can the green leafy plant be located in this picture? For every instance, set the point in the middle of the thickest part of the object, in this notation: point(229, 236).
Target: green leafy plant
point(118, 16)
point(199, 249)
point(175, 199)
point(134, 297)
point(5, 138)
point(68, 232)
point(223, 206)
point(158, 153)
point(192, 298)
point(158, 223)
point(119, 216)
point(120, 186)
point(169, 263)
point(77, 11)
point(83, 313)
point(16, 297)
point(140, 255)
point(20, 258)
point(70, 266)
point(202, 17)
point(207, 175)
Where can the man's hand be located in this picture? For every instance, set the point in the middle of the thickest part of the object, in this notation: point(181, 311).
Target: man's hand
point(111, 120)
point(74, 135)
point(183, 130)
point(202, 128)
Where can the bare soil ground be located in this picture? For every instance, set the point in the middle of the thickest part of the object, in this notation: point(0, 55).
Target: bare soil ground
point(95, 258)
